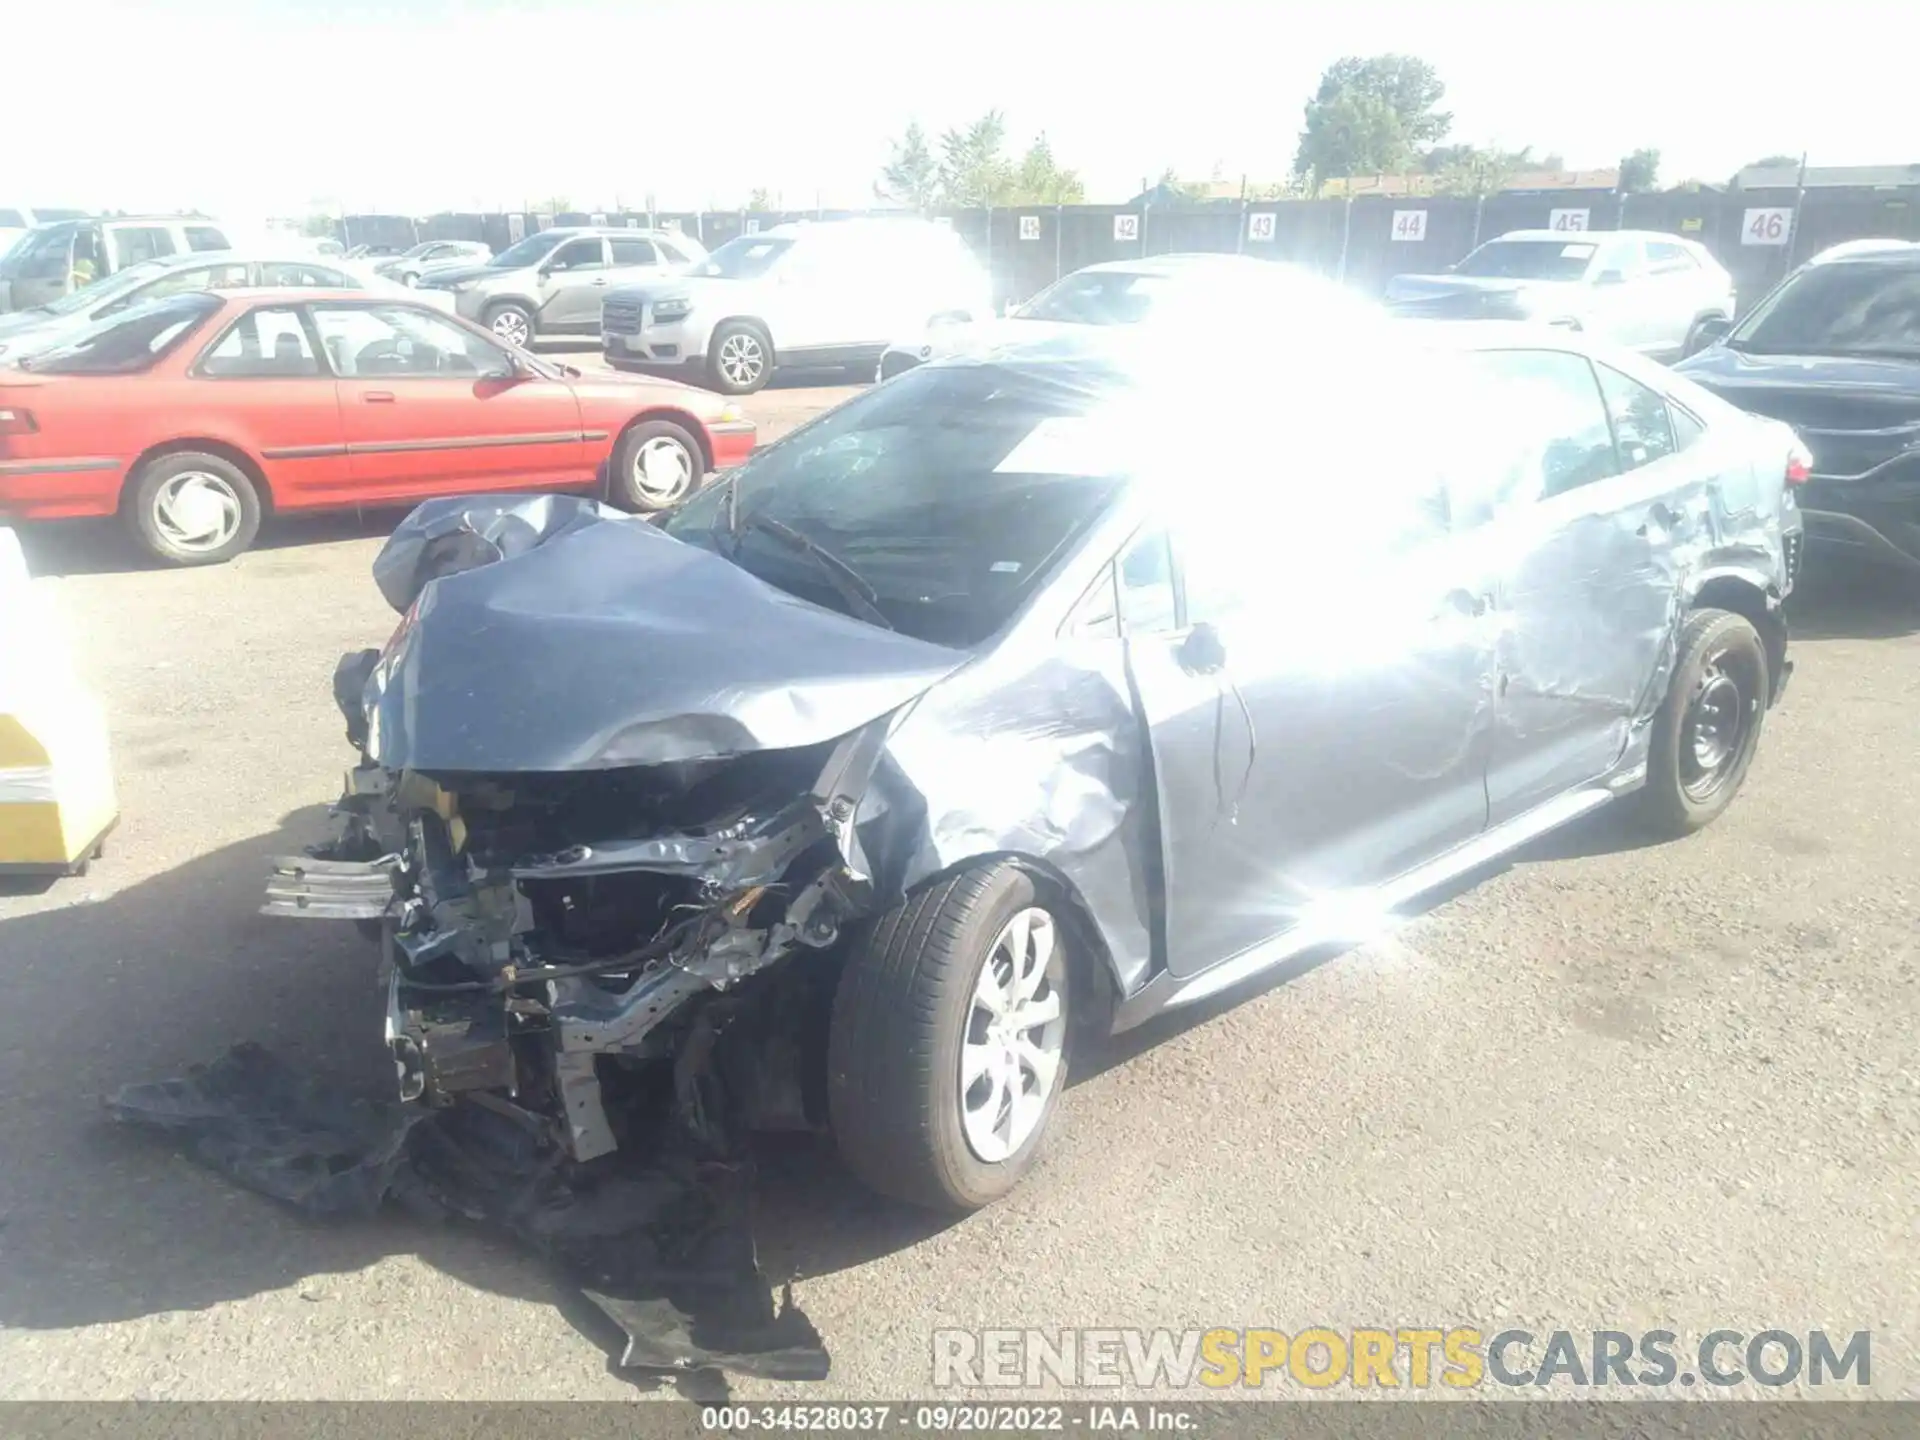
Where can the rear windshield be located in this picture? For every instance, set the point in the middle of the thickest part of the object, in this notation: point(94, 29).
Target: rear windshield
point(951, 491)
point(1844, 308)
point(130, 342)
point(1529, 260)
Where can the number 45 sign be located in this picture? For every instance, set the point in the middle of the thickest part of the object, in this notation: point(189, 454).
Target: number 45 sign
point(1767, 225)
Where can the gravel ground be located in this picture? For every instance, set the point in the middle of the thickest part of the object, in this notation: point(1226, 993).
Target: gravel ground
point(1604, 1087)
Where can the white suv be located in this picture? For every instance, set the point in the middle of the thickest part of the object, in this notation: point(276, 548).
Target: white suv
point(812, 293)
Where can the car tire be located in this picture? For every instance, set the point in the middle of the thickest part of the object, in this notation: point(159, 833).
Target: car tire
point(1693, 345)
point(409, 278)
point(189, 508)
point(656, 465)
point(739, 358)
point(908, 1013)
point(511, 322)
point(1708, 727)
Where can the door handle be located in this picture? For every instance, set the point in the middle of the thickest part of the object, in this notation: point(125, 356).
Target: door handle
point(378, 397)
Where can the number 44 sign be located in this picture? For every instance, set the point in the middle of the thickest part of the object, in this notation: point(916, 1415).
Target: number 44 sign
point(1409, 225)
point(1767, 225)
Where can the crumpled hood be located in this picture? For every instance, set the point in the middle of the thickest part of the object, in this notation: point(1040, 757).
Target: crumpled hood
point(548, 633)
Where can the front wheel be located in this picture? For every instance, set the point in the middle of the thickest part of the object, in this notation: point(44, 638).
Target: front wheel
point(193, 509)
point(512, 323)
point(948, 1046)
point(656, 465)
point(1708, 727)
point(409, 279)
point(739, 358)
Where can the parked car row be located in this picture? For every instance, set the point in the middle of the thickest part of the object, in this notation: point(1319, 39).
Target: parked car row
point(54, 260)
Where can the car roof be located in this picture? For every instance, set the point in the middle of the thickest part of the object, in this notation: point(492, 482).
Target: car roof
point(1870, 252)
point(1574, 237)
point(1177, 264)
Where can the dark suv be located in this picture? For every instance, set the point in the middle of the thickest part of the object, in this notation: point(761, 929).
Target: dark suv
point(1834, 351)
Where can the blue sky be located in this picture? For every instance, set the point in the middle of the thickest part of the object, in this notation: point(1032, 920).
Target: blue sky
point(283, 106)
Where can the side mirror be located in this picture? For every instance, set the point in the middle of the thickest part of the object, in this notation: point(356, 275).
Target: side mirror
point(1709, 332)
point(1203, 652)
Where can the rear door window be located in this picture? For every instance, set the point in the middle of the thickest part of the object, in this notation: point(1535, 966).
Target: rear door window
point(1642, 426)
point(268, 343)
point(1550, 433)
point(633, 251)
point(205, 237)
point(134, 243)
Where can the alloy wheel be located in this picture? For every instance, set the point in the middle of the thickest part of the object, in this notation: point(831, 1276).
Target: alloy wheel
point(511, 326)
point(742, 358)
point(1016, 1028)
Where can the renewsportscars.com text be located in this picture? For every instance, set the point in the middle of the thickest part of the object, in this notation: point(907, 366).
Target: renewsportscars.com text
point(1397, 1358)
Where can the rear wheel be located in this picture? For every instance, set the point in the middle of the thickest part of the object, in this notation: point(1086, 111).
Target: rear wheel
point(948, 1046)
point(1708, 727)
point(1696, 337)
point(193, 509)
point(657, 464)
point(512, 323)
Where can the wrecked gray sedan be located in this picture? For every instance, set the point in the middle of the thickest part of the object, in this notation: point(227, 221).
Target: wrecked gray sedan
point(1020, 698)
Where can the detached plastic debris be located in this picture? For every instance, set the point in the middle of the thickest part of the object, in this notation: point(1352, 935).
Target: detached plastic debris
point(665, 1249)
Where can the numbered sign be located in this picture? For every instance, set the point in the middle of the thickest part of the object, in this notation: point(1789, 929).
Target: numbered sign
point(596, 219)
point(1409, 225)
point(1260, 225)
point(1126, 227)
point(1567, 219)
point(1767, 225)
point(516, 228)
point(1029, 227)
point(753, 225)
point(543, 222)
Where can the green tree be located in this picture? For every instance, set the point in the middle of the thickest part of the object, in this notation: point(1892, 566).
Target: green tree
point(317, 227)
point(972, 170)
point(1640, 172)
point(1371, 115)
point(912, 176)
point(1039, 179)
point(759, 200)
point(1471, 170)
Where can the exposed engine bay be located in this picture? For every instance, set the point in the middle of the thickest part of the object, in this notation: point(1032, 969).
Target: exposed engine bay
point(543, 950)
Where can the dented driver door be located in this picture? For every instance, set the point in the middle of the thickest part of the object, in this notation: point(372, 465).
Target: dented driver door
point(1318, 716)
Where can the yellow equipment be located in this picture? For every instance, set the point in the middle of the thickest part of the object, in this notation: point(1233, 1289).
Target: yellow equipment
point(56, 779)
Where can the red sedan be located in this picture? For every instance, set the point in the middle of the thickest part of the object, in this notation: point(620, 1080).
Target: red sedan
point(193, 415)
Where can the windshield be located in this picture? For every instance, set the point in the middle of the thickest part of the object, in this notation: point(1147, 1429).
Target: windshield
point(942, 490)
point(128, 343)
point(1529, 260)
point(40, 254)
point(529, 251)
point(1850, 308)
point(88, 296)
point(1097, 297)
point(743, 257)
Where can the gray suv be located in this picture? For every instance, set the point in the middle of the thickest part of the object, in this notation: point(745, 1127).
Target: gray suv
point(552, 282)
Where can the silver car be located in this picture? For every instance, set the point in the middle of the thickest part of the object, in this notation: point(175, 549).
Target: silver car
point(1025, 696)
point(432, 254)
point(23, 332)
point(1659, 294)
point(552, 283)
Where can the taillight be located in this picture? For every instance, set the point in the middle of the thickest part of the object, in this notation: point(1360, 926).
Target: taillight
point(16, 422)
point(1799, 465)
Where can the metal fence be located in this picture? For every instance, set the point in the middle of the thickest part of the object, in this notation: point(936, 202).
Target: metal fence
point(1759, 235)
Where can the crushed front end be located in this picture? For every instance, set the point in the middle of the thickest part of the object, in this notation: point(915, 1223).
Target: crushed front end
point(566, 947)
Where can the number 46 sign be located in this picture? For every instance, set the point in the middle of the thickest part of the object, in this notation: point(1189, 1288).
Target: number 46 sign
point(1767, 225)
